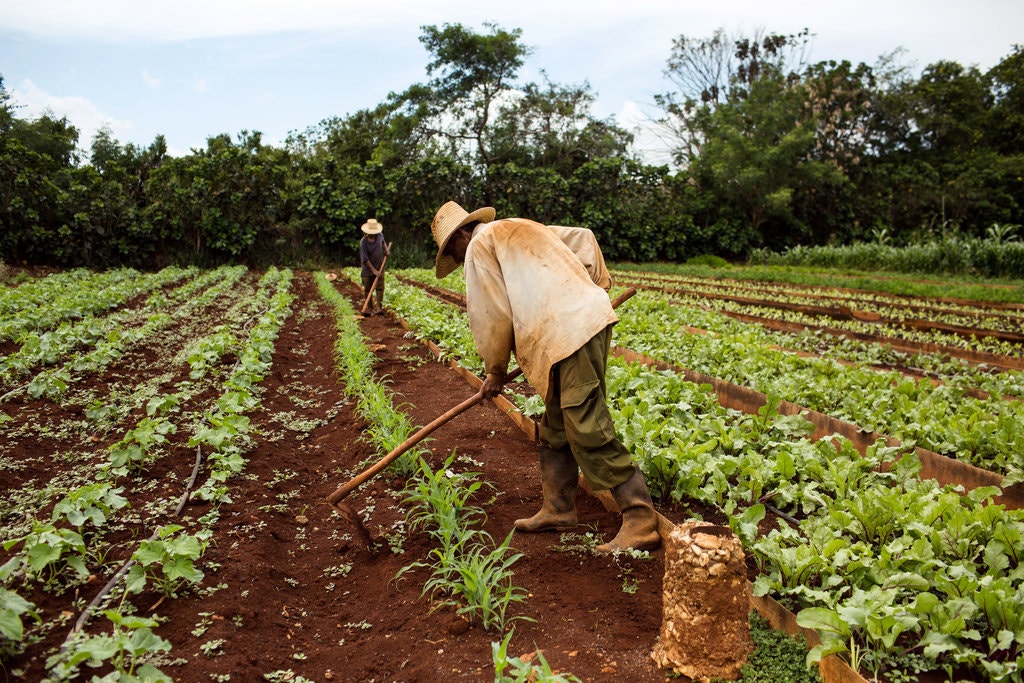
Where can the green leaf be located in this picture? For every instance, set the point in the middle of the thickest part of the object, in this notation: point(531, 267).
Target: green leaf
point(823, 620)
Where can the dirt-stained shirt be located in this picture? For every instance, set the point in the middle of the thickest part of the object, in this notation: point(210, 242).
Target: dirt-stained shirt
point(535, 290)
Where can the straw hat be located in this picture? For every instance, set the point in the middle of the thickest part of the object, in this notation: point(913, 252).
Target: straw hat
point(372, 227)
point(447, 220)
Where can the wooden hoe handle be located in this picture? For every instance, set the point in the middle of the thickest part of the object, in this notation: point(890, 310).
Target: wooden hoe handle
point(376, 279)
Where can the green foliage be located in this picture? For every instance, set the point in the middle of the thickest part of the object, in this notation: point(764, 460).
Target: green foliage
point(91, 503)
point(709, 260)
point(134, 452)
point(53, 556)
point(776, 656)
point(125, 650)
point(995, 256)
point(214, 203)
point(388, 427)
point(13, 609)
point(168, 561)
point(771, 153)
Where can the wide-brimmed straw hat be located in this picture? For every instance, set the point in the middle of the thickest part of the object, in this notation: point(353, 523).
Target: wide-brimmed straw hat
point(372, 227)
point(447, 220)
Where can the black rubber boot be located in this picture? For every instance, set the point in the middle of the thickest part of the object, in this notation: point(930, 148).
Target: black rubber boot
point(639, 520)
point(559, 478)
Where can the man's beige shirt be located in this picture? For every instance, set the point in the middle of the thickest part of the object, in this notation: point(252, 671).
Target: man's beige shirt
point(536, 290)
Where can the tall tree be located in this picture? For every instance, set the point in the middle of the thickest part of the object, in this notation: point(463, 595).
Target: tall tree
point(37, 159)
point(550, 127)
point(471, 73)
point(723, 67)
point(758, 157)
point(214, 203)
point(1006, 134)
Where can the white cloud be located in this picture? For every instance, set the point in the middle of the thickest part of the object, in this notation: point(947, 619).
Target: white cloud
point(128, 21)
point(149, 79)
point(964, 31)
point(648, 137)
point(202, 85)
point(79, 111)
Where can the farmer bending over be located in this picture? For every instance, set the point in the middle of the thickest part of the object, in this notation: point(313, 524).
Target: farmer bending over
point(541, 292)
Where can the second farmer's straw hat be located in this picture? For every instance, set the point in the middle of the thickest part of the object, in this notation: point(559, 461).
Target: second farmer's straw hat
point(372, 227)
point(447, 220)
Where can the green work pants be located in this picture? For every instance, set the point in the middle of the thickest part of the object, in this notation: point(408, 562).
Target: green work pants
point(576, 416)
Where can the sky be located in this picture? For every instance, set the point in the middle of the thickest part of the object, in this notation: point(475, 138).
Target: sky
point(191, 69)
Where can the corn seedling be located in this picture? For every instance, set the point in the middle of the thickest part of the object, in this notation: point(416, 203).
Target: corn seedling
point(466, 573)
point(523, 670)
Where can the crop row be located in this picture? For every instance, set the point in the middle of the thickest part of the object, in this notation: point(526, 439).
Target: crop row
point(43, 303)
point(922, 335)
point(880, 284)
point(941, 418)
point(893, 308)
point(83, 535)
point(106, 403)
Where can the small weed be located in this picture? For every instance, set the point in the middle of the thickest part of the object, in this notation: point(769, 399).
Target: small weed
point(204, 624)
point(629, 584)
point(285, 676)
point(362, 625)
point(212, 648)
point(572, 542)
point(338, 570)
point(396, 541)
point(210, 590)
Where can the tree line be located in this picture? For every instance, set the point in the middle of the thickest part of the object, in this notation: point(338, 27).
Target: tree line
point(769, 152)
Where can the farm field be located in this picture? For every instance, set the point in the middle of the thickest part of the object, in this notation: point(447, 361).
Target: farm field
point(253, 576)
point(287, 585)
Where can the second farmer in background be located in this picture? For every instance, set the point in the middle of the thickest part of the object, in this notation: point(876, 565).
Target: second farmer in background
point(372, 251)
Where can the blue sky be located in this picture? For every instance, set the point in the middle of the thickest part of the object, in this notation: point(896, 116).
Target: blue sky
point(189, 69)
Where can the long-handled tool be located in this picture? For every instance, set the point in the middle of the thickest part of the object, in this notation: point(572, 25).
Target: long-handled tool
point(339, 495)
point(380, 272)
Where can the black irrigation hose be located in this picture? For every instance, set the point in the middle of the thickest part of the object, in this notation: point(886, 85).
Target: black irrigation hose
point(191, 482)
point(84, 616)
point(789, 518)
point(13, 391)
